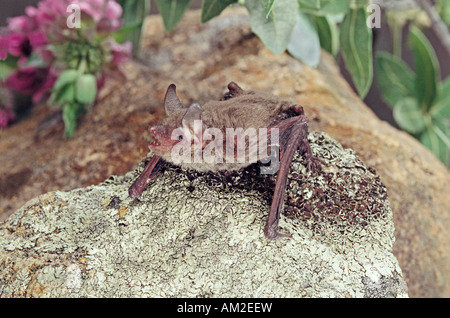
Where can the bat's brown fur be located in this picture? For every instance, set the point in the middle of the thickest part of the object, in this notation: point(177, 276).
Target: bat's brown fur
point(237, 109)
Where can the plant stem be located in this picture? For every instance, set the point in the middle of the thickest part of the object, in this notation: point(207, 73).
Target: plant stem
point(82, 65)
point(397, 39)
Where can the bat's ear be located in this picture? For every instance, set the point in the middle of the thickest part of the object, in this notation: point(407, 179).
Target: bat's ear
point(192, 120)
point(234, 89)
point(171, 100)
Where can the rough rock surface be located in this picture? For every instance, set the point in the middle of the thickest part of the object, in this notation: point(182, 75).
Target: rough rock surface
point(200, 235)
point(201, 60)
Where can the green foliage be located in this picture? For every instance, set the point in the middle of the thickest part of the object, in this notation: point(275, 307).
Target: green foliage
point(172, 11)
point(86, 88)
point(275, 31)
point(409, 116)
point(324, 7)
point(426, 65)
point(436, 138)
point(441, 106)
point(421, 105)
point(268, 6)
point(7, 66)
point(395, 79)
point(305, 43)
point(328, 34)
point(134, 13)
point(213, 8)
point(71, 111)
point(72, 92)
point(356, 48)
point(443, 7)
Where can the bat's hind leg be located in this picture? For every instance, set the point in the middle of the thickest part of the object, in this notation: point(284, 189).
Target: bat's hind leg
point(293, 133)
point(149, 171)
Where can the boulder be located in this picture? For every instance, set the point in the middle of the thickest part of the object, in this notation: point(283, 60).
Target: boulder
point(197, 234)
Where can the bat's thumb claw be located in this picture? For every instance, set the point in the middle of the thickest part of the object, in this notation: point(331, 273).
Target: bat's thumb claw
point(314, 165)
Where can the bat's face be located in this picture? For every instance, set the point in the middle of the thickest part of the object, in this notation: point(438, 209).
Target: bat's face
point(181, 127)
point(162, 141)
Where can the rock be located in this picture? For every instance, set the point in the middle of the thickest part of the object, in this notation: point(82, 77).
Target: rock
point(201, 60)
point(201, 235)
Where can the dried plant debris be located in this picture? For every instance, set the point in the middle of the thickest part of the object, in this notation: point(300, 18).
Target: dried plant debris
point(346, 197)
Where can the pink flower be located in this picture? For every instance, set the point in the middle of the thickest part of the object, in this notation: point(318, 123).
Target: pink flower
point(21, 24)
point(47, 24)
point(52, 15)
point(101, 9)
point(31, 81)
point(120, 53)
point(4, 44)
point(21, 38)
point(19, 45)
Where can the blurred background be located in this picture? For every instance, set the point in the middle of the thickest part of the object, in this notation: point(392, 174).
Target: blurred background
point(382, 41)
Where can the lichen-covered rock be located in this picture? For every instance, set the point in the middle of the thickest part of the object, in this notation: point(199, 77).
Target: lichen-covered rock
point(201, 235)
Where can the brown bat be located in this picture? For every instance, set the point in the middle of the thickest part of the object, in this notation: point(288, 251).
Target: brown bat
point(241, 116)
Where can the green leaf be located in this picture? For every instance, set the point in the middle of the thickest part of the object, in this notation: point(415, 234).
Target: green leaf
point(395, 79)
point(356, 47)
point(444, 10)
point(328, 34)
point(305, 43)
point(408, 115)
point(268, 6)
point(7, 66)
point(134, 14)
point(212, 8)
point(324, 7)
point(35, 60)
point(172, 11)
point(71, 111)
point(64, 95)
point(437, 139)
point(67, 94)
point(275, 31)
point(126, 31)
point(66, 77)
point(427, 69)
point(441, 106)
point(86, 88)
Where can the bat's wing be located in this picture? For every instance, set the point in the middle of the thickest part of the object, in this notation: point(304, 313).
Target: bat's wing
point(293, 134)
point(149, 171)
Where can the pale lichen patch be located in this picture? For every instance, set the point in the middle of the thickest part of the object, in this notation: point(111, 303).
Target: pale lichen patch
point(197, 234)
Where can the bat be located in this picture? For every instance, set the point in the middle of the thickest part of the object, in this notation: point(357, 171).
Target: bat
point(229, 134)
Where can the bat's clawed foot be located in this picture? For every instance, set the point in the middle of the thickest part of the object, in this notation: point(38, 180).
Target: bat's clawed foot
point(271, 232)
point(134, 192)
